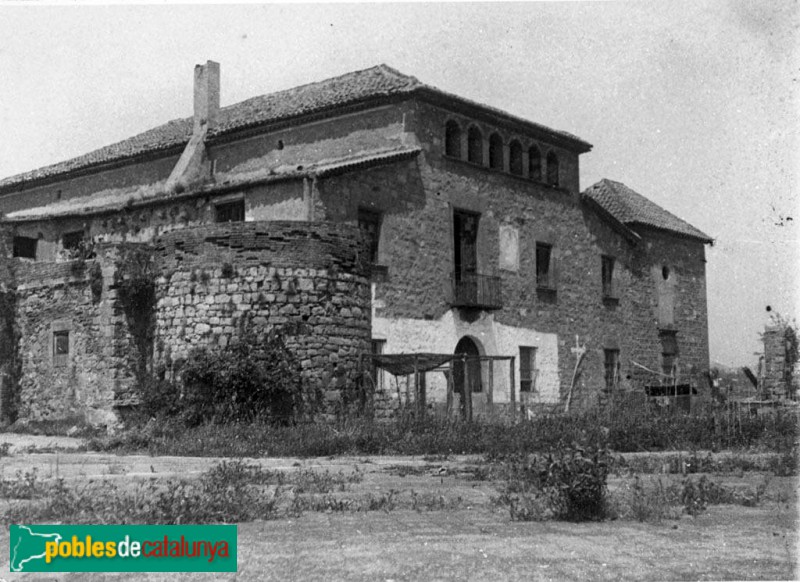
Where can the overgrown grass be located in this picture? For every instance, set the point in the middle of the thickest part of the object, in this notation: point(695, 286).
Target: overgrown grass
point(230, 492)
point(781, 464)
point(438, 437)
point(75, 425)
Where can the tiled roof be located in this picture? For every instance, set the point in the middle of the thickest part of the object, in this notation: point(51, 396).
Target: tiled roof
point(631, 208)
point(349, 89)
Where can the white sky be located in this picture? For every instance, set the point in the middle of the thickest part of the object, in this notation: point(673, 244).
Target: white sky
point(693, 104)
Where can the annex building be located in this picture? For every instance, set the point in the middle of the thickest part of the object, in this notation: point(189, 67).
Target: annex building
point(365, 214)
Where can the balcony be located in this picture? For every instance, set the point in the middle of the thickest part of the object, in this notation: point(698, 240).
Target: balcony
point(476, 291)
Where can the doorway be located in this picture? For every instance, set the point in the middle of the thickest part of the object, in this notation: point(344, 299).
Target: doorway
point(468, 369)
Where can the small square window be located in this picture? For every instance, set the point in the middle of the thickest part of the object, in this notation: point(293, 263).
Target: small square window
point(60, 348)
point(72, 240)
point(25, 247)
point(230, 211)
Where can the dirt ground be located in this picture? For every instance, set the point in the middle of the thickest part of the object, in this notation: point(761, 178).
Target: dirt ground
point(467, 541)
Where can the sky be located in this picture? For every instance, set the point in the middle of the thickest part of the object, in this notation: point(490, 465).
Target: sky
point(692, 104)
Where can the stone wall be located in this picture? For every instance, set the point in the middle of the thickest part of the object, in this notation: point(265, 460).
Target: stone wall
point(776, 361)
point(417, 200)
point(87, 371)
point(309, 280)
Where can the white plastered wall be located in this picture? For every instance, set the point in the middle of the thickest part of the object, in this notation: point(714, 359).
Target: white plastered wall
point(406, 335)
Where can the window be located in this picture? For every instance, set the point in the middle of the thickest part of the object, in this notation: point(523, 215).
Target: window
point(452, 140)
point(475, 146)
point(609, 288)
point(527, 369)
point(465, 244)
point(611, 368)
point(552, 169)
point(496, 152)
point(231, 211)
point(24, 247)
point(369, 222)
point(72, 241)
point(535, 164)
point(544, 266)
point(60, 348)
point(378, 346)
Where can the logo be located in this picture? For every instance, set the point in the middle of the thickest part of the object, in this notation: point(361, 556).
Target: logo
point(123, 548)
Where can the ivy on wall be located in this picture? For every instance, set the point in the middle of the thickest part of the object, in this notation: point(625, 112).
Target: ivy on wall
point(135, 281)
point(10, 362)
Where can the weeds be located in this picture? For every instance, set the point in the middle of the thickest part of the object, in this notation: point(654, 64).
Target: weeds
point(25, 486)
point(696, 496)
point(636, 501)
point(430, 501)
point(331, 503)
point(227, 493)
point(438, 438)
point(569, 484)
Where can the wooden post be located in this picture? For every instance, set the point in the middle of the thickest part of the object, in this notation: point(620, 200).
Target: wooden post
point(423, 393)
point(490, 388)
point(511, 394)
point(449, 397)
point(467, 390)
point(416, 385)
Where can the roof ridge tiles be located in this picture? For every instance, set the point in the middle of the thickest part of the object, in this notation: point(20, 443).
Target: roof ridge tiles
point(344, 90)
point(631, 208)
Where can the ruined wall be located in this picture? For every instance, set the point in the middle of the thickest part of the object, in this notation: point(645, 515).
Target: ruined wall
point(308, 279)
point(88, 371)
point(776, 361)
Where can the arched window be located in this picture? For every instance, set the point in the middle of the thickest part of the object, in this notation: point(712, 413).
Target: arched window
point(452, 139)
point(475, 146)
point(495, 152)
point(515, 158)
point(535, 164)
point(552, 169)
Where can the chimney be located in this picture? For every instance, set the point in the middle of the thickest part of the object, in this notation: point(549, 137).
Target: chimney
point(206, 95)
point(194, 165)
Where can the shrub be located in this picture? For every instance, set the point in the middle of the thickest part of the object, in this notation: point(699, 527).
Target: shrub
point(568, 484)
point(247, 379)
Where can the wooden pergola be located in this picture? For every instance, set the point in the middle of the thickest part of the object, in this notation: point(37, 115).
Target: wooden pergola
point(416, 364)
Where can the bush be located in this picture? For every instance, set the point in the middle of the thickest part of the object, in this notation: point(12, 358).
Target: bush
point(247, 379)
point(568, 484)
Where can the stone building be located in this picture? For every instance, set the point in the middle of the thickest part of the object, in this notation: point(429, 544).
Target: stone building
point(365, 213)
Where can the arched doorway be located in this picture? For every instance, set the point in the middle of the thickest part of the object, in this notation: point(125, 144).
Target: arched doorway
point(469, 369)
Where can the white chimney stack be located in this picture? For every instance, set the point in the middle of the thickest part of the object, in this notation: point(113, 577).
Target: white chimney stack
point(206, 95)
point(194, 166)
